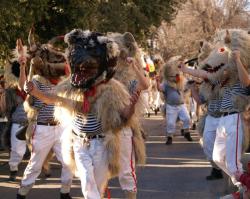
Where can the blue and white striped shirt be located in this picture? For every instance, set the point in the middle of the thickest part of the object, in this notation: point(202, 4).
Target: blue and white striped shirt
point(87, 124)
point(227, 99)
point(46, 112)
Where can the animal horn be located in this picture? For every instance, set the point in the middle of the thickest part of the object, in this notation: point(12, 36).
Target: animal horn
point(31, 38)
point(19, 46)
point(227, 38)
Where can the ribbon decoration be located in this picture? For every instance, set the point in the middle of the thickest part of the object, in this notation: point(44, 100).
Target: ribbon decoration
point(89, 93)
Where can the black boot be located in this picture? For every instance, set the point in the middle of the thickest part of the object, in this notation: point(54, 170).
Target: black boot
point(18, 196)
point(65, 196)
point(188, 137)
point(194, 126)
point(216, 174)
point(12, 176)
point(169, 140)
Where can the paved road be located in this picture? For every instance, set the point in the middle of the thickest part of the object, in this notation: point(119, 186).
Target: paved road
point(171, 172)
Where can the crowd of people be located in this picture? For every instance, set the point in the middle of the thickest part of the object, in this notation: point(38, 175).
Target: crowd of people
point(85, 104)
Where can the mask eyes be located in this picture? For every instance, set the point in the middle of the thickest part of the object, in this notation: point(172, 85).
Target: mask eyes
point(221, 50)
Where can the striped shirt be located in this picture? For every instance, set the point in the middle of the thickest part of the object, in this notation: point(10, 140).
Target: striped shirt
point(213, 107)
point(227, 104)
point(87, 124)
point(46, 112)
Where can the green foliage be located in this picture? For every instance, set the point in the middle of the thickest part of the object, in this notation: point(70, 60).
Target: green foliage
point(57, 17)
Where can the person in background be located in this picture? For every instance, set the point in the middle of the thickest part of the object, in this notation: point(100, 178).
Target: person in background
point(172, 89)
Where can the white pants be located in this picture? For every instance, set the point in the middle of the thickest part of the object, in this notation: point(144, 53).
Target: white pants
point(209, 134)
point(92, 165)
point(228, 145)
point(145, 97)
point(127, 176)
point(155, 99)
point(193, 110)
point(44, 139)
point(18, 148)
point(172, 113)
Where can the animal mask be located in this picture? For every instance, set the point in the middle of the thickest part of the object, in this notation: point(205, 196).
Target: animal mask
point(172, 74)
point(219, 62)
point(43, 59)
point(91, 56)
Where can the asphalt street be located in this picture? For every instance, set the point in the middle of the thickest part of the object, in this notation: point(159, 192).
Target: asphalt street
point(177, 171)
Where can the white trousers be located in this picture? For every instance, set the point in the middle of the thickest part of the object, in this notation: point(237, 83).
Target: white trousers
point(44, 139)
point(92, 165)
point(209, 135)
point(193, 110)
point(18, 148)
point(145, 98)
point(127, 176)
point(155, 99)
point(228, 145)
point(172, 113)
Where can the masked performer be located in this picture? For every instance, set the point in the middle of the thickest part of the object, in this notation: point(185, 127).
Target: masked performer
point(44, 132)
point(130, 73)
point(221, 65)
point(174, 99)
point(11, 103)
point(98, 105)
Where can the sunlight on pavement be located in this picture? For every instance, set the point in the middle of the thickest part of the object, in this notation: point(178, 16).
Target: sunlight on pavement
point(178, 165)
point(166, 158)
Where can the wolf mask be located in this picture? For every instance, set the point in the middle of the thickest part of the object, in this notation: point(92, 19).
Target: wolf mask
point(91, 56)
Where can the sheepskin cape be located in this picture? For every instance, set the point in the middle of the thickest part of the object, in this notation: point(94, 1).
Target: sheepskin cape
point(108, 102)
point(125, 74)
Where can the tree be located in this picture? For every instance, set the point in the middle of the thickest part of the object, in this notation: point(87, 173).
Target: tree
point(56, 17)
point(198, 20)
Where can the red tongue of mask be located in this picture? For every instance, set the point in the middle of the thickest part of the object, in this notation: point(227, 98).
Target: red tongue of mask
point(54, 81)
point(177, 78)
point(89, 93)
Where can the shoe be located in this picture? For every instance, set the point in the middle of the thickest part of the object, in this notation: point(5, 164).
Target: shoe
point(18, 196)
point(194, 126)
point(12, 176)
point(169, 140)
point(182, 132)
point(216, 174)
point(65, 196)
point(188, 137)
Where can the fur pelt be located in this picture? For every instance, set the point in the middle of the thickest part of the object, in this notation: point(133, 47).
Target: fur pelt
point(245, 118)
point(204, 51)
point(110, 98)
point(10, 79)
point(125, 74)
point(243, 104)
point(201, 124)
point(8, 104)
